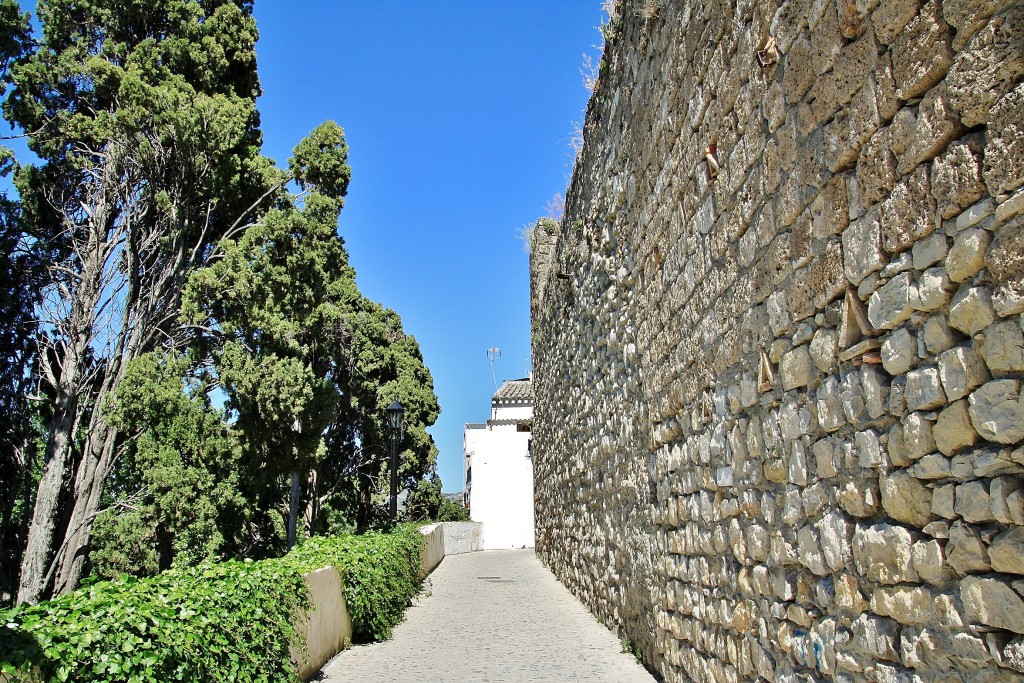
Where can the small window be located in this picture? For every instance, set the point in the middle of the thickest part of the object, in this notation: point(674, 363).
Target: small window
point(523, 427)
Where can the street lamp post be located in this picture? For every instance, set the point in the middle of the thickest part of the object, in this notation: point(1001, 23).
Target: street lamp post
point(395, 412)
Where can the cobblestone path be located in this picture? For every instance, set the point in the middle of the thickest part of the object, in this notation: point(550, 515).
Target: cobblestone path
point(496, 617)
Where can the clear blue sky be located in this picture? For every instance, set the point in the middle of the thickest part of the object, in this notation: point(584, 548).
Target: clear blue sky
point(458, 115)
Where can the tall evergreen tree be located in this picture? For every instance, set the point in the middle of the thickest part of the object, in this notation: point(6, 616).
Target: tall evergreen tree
point(143, 115)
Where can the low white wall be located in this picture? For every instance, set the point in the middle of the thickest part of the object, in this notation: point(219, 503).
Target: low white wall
point(327, 626)
point(462, 537)
point(433, 550)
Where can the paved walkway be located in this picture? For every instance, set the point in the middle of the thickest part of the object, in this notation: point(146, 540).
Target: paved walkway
point(496, 617)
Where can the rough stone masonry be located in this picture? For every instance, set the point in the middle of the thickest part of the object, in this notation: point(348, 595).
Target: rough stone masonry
point(778, 342)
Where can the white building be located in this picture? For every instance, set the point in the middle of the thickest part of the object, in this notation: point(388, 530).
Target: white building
point(499, 471)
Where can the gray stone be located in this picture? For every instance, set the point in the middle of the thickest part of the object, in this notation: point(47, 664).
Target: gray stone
point(1010, 207)
point(965, 552)
point(905, 604)
point(890, 304)
point(824, 459)
point(876, 637)
point(862, 248)
point(905, 498)
point(967, 255)
point(918, 437)
point(943, 498)
point(961, 370)
point(899, 352)
point(924, 389)
point(953, 430)
point(934, 466)
point(993, 603)
point(810, 554)
point(1001, 495)
point(937, 335)
point(929, 562)
point(1006, 552)
point(971, 310)
point(930, 250)
point(1003, 348)
point(1004, 144)
point(882, 553)
point(869, 449)
point(824, 348)
point(796, 368)
point(932, 290)
point(997, 411)
point(975, 213)
point(852, 396)
point(876, 390)
point(972, 502)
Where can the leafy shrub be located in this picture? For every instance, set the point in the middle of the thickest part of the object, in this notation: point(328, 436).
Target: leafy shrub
point(380, 574)
point(230, 621)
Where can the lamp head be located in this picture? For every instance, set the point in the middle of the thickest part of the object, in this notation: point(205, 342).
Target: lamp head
point(395, 412)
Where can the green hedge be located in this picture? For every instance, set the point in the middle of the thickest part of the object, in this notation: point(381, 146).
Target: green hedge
point(229, 621)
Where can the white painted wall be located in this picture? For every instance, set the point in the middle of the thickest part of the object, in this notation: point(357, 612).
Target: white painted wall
point(501, 490)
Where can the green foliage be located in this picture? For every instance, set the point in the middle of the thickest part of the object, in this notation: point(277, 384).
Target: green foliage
point(630, 648)
point(180, 470)
point(427, 503)
point(452, 511)
point(231, 621)
point(380, 573)
point(320, 162)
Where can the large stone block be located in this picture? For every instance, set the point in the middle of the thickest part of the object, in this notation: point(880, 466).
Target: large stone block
point(953, 430)
point(965, 552)
point(890, 305)
point(1007, 551)
point(891, 18)
point(971, 310)
point(967, 255)
point(924, 389)
point(993, 603)
point(988, 67)
point(908, 214)
point(922, 53)
point(905, 498)
point(882, 553)
point(862, 248)
point(957, 182)
point(876, 167)
point(967, 16)
point(1005, 263)
point(997, 411)
point(961, 370)
point(1003, 349)
point(1004, 143)
point(937, 124)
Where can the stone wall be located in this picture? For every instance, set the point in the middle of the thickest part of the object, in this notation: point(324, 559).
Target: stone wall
point(778, 343)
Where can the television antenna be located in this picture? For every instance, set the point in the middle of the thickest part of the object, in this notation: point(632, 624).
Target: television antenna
point(492, 353)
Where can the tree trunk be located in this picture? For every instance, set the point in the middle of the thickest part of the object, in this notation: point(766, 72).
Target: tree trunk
point(38, 548)
point(90, 479)
point(312, 503)
point(293, 509)
point(71, 388)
